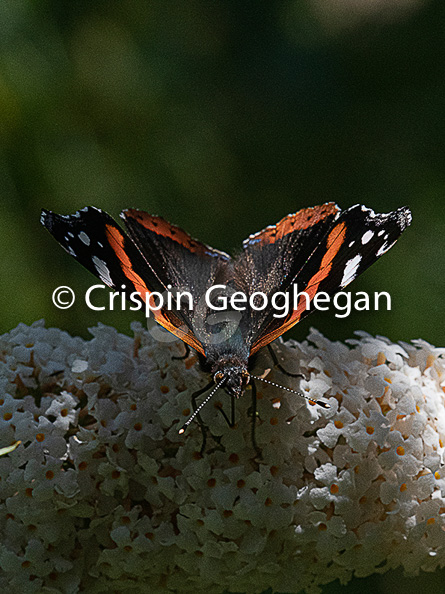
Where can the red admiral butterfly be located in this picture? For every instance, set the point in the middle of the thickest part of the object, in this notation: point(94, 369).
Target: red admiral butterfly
point(319, 249)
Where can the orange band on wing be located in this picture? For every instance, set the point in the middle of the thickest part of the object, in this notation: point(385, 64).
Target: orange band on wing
point(180, 330)
point(116, 240)
point(335, 240)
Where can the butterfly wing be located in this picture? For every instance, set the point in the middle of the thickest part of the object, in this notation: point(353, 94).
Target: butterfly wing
point(318, 249)
point(98, 243)
point(272, 258)
point(181, 260)
point(185, 264)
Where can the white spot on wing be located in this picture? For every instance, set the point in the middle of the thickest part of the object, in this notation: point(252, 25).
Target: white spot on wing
point(385, 247)
point(84, 238)
point(369, 211)
point(367, 237)
point(350, 270)
point(352, 243)
point(102, 270)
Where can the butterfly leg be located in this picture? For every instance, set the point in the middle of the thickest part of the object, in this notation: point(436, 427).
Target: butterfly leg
point(194, 396)
point(230, 422)
point(279, 366)
point(182, 357)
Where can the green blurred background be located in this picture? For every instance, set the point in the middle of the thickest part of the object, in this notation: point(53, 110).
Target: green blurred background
point(223, 117)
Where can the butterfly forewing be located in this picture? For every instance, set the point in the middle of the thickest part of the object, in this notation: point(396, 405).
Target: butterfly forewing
point(352, 242)
point(92, 237)
point(98, 243)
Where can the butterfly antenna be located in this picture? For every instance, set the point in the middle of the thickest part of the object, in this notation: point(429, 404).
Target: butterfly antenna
point(319, 402)
point(203, 403)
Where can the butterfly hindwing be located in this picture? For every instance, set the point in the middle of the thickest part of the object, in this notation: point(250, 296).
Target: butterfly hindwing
point(180, 260)
point(272, 258)
point(186, 264)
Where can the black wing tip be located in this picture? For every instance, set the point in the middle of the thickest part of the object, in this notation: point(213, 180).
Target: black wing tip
point(404, 217)
point(43, 214)
point(401, 216)
point(48, 216)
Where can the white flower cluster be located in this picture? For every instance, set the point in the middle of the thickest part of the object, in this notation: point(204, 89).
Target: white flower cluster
point(103, 495)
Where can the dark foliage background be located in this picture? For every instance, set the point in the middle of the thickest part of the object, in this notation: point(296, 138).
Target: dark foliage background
point(223, 117)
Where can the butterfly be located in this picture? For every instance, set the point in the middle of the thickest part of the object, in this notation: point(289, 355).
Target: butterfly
point(318, 249)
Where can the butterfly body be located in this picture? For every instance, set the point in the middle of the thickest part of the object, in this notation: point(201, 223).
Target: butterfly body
point(320, 249)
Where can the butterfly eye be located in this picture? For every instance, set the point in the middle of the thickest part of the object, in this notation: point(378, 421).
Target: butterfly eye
point(218, 376)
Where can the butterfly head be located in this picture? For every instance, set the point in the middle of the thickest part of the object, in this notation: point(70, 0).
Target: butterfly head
point(234, 379)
